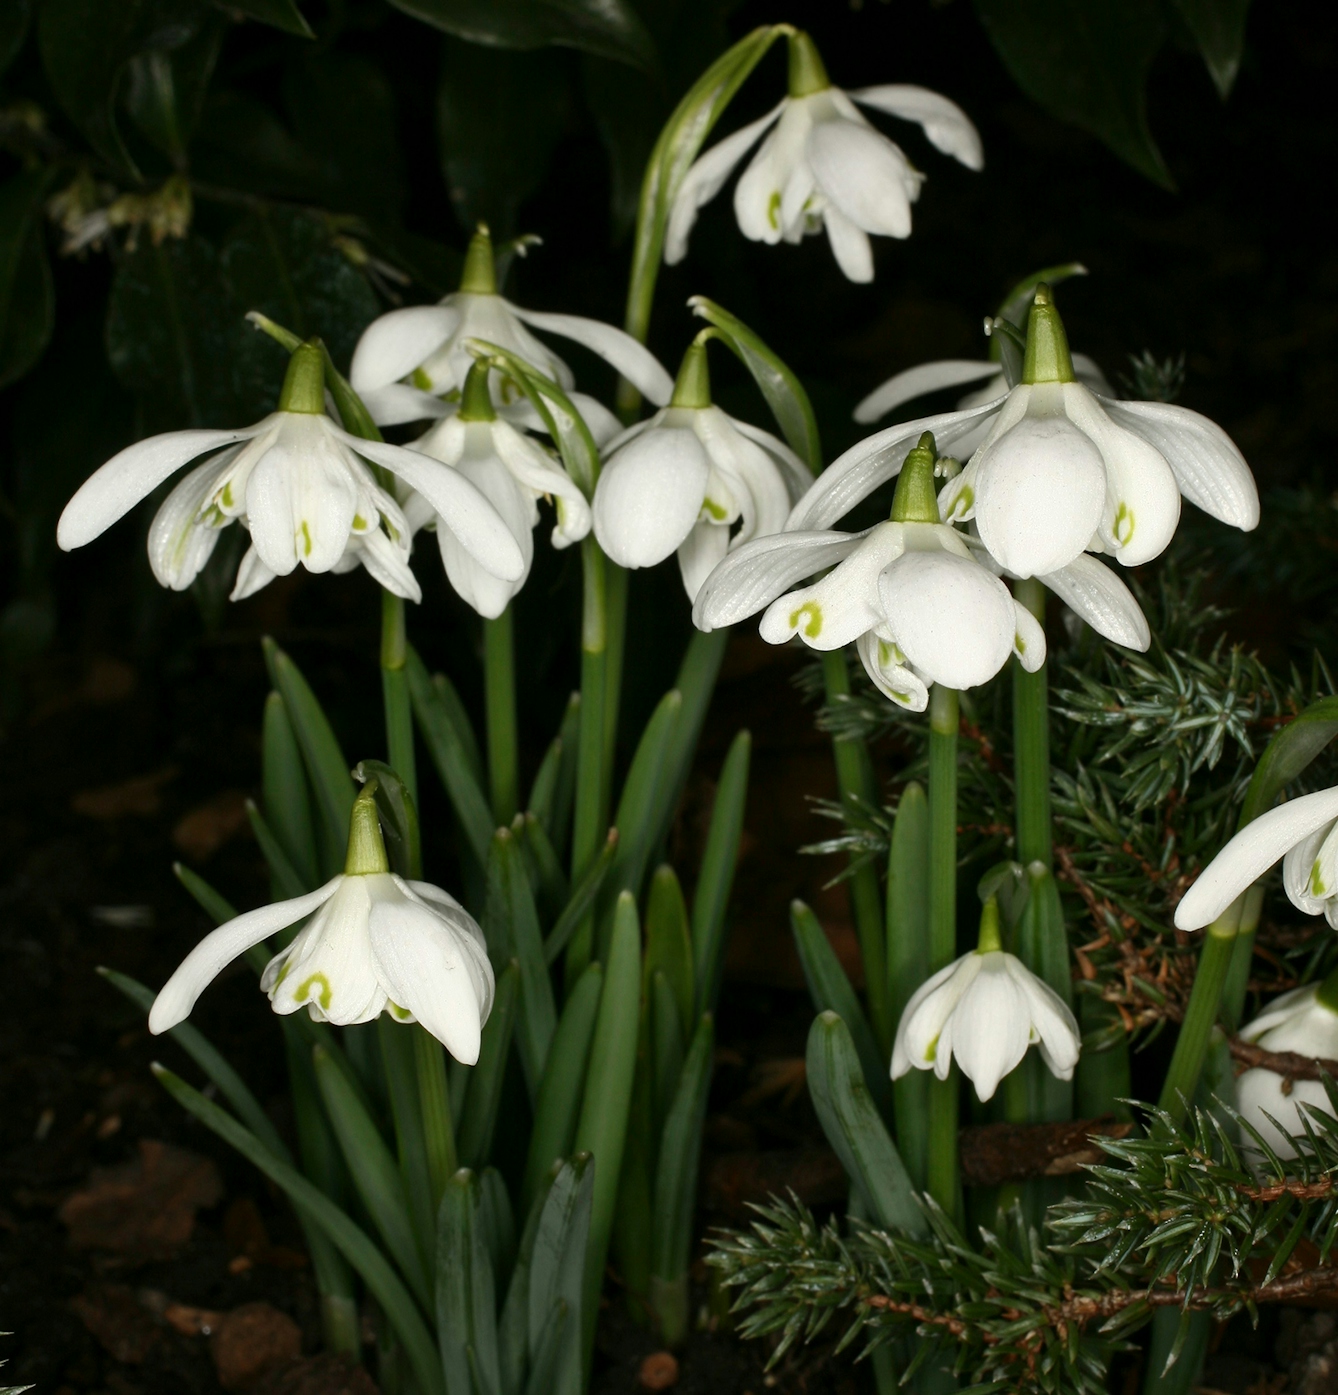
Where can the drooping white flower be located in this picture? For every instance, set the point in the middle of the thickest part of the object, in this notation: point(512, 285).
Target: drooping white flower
point(1060, 471)
point(681, 481)
point(1303, 833)
point(513, 473)
point(1305, 1022)
point(409, 360)
point(984, 1011)
point(823, 167)
point(375, 943)
point(910, 595)
point(299, 484)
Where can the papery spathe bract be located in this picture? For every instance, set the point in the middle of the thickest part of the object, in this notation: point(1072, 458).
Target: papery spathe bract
point(822, 166)
point(1303, 833)
point(1301, 1022)
point(407, 361)
point(302, 487)
point(375, 943)
point(984, 1011)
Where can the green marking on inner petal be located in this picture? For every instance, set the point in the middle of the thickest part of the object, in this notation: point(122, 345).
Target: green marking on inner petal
point(359, 523)
point(717, 511)
point(931, 1051)
point(283, 973)
point(421, 380)
point(814, 612)
point(773, 209)
point(303, 991)
point(965, 500)
point(1019, 644)
point(397, 1012)
point(1317, 887)
point(1124, 525)
point(306, 539)
point(885, 652)
point(226, 497)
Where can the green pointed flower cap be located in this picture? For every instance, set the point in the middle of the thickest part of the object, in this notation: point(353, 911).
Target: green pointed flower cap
point(304, 383)
point(807, 71)
point(1047, 359)
point(480, 273)
point(991, 940)
point(366, 848)
point(916, 499)
point(692, 387)
point(475, 397)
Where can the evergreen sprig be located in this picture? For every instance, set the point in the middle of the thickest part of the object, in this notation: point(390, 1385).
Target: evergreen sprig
point(1181, 1217)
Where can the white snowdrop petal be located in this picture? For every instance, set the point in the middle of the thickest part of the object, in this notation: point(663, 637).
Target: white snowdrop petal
point(756, 573)
point(895, 681)
point(916, 382)
point(850, 246)
point(948, 127)
point(180, 540)
point(649, 495)
point(1298, 868)
point(388, 564)
point(398, 403)
point(793, 471)
point(1028, 638)
point(252, 576)
point(863, 174)
point(952, 619)
point(991, 1028)
point(301, 498)
point(220, 947)
point(1251, 853)
point(929, 1009)
point(396, 343)
point(328, 967)
point(1260, 1100)
point(1208, 466)
point(1095, 594)
point(700, 553)
point(632, 359)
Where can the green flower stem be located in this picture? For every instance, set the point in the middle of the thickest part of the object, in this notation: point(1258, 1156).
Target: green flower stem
point(1242, 957)
point(615, 644)
point(1191, 1047)
point(395, 692)
point(435, 1102)
point(590, 818)
point(944, 720)
point(499, 686)
point(1031, 744)
point(854, 778)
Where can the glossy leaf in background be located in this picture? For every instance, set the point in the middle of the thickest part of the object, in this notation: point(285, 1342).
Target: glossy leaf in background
point(27, 301)
point(14, 20)
point(281, 14)
point(1218, 27)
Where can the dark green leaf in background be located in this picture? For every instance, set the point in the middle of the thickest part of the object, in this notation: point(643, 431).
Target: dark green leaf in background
point(165, 89)
point(27, 302)
point(1218, 27)
point(1086, 62)
point(609, 28)
point(499, 115)
point(14, 17)
point(243, 144)
point(85, 46)
point(281, 14)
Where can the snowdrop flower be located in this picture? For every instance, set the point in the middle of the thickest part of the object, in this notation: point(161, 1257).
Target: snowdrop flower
point(512, 472)
point(1303, 833)
point(1304, 1021)
point(918, 606)
point(681, 480)
point(299, 484)
point(823, 166)
point(408, 360)
point(375, 943)
point(1060, 471)
point(983, 1011)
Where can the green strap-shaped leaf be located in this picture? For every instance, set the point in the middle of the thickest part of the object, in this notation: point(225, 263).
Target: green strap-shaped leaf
point(326, 767)
point(1041, 942)
point(716, 877)
point(851, 1122)
point(466, 1295)
point(557, 1264)
point(602, 1128)
point(557, 1108)
point(555, 782)
point(287, 797)
point(499, 1225)
point(398, 815)
point(478, 1119)
point(452, 759)
point(582, 898)
point(676, 1172)
point(776, 381)
point(831, 991)
point(396, 1040)
point(375, 1175)
point(666, 1046)
point(512, 926)
point(353, 1243)
point(669, 942)
point(1286, 756)
point(1017, 303)
point(1218, 27)
point(280, 14)
point(454, 707)
point(546, 872)
point(211, 902)
point(285, 880)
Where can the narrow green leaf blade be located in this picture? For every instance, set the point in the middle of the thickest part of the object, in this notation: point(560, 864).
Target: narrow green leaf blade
point(582, 898)
point(287, 797)
point(466, 1296)
point(716, 878)
point(479, 1118)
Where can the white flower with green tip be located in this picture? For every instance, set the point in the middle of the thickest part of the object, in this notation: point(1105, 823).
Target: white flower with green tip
point(304, 489)
point(692, 480)
point(513, 473)
point(1303, 833)
point(1304, 1021)
point(908, 593)
point(983, 1011)
point(409, 361)
point(375, 943)
point(1060, 471)
point(823, 167)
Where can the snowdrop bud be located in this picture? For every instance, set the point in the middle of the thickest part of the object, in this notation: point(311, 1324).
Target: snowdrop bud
point(1305, 1022)
point(916, 499)
point(807, 71)
point(1047, 358)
